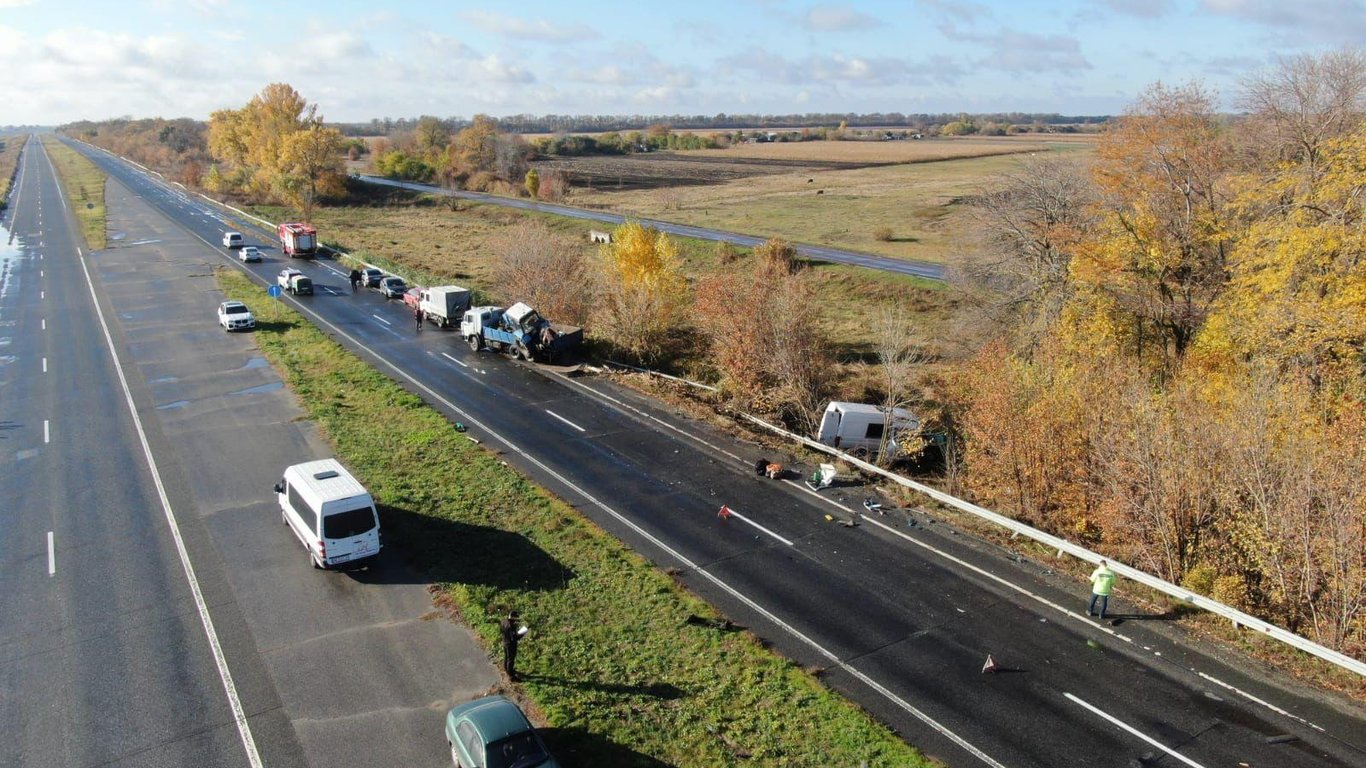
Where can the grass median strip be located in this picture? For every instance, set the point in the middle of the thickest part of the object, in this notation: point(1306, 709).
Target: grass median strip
point(84, 184)
point(10, 148)
point(613, 663)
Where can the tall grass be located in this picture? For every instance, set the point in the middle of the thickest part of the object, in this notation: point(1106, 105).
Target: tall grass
point(9, 164)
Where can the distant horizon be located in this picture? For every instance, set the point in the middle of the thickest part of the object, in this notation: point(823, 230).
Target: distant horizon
point(68, 60)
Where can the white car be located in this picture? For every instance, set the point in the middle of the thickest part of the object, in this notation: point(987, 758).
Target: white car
point(234, 316)
point(232, 239)
point(249, 254)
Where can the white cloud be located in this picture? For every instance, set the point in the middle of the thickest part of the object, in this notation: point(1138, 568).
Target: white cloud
point(838, 69)
point(838, 18)
point(528, 29)
point(1143, 9)
point(492, 67)
point(1317, 20)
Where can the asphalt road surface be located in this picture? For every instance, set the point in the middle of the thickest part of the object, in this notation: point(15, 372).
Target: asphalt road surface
point(899, 617)
point(104, 654)
point(925, 269)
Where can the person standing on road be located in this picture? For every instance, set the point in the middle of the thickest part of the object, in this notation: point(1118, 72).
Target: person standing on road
point(1102, 583)
point(417, 318)
point(355, 280)
point(511, 634)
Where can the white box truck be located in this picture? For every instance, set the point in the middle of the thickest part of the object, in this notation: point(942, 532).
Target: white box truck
point(444, 304)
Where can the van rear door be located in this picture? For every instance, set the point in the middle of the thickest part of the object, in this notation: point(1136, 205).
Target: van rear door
point(349, 534)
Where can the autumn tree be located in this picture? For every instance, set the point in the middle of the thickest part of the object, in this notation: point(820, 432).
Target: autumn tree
point(901, 351)
point(546, 269)
point(311, 164)
point(642, 290)
point(1160, 248)
point(1308, 100)
point(430, 137)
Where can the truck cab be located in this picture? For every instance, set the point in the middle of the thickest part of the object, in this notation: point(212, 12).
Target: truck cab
point(476, 322)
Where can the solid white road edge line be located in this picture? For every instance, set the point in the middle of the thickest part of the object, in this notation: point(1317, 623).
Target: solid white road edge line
point(1135, 732)
point(877, 687)
point(51, 556)
point(1263, 702)
point(238, 714)
point(566, 421)
point(453, 360)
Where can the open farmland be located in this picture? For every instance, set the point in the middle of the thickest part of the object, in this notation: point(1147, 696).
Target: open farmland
point(877, 152)
point(837, 204)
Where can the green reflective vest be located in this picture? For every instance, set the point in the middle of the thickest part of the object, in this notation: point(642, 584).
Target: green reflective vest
point(1102, 581)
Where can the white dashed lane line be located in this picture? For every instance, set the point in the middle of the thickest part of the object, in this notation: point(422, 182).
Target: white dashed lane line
point(566, 421)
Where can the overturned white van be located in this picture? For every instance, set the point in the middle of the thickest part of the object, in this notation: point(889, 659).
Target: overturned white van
point(857, 428)
point(331, 513)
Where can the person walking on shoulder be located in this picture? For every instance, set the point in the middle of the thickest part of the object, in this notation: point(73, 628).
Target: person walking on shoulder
point(511, 632)
point(417, 318)
point(1102, 583)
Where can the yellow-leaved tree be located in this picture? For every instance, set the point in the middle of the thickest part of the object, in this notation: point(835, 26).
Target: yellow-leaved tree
point(643, 291)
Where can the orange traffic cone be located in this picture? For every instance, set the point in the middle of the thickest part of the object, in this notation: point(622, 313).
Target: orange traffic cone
point(990, 666)
point(724, 513)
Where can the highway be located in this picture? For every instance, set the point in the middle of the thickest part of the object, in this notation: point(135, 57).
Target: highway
point(899, 617)
point(925, 269)
point(154, 611)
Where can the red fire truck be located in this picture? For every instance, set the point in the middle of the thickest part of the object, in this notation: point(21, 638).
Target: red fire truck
point(298, 240)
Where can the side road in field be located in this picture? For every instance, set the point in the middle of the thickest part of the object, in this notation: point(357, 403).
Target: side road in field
point(362, 671)
point(923, 269)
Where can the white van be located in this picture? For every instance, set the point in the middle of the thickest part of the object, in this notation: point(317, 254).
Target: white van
point(330, 511)
point(857, 428)
point(232, 240)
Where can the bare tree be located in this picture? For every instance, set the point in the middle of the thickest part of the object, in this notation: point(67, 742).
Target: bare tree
point(1026, 231)
point(1309, 99)
point(901, 350)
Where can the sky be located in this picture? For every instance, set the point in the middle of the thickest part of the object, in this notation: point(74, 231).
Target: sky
point(65, 61)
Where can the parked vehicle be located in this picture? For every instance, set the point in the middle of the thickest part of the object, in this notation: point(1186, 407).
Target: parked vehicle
point(234, 316)
point(858, 428)
point(519, 331)
point(493, 732)
point(295, 282)
point(297, 240)
point(232, 239)
point(370, 277)
point(249, 254)
point(412, 298)
point(392, 287)
point(442, 305)
point(330, 511)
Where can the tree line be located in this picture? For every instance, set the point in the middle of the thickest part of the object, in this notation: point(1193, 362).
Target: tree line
point(1176, 368)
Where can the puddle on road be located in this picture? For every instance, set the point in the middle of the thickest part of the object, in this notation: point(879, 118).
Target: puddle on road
point(259, 390)
point(254, 362)
point(163, 380)
point(9, 258)
point(7, 359)
point(176, 404)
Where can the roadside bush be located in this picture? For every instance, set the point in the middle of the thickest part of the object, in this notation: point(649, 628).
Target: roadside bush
point(481, 181)
point(554, 186)
point(544, 268)
point(883, 234)
point(726, 253)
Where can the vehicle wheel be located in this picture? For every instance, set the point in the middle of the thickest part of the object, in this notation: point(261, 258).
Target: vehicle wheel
point(474, 343)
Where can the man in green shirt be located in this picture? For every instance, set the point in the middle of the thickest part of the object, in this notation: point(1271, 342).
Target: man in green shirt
point(1102, 583)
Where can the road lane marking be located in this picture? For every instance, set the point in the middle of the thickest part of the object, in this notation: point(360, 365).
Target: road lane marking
point(40, 273)
point(743, 519)
point(1135, 732)
point(566, 421)
point(42, 295)
point(47, 432)
point(382, 320)
point(45, 365)
point(51, 556)
point(453, 360)
point(229, 687)
point(1263, 702)
point(45, 323)
point(720, 583)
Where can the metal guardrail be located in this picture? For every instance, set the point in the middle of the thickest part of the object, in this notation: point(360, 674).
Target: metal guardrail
point(1081, 553)
point(1062, 546)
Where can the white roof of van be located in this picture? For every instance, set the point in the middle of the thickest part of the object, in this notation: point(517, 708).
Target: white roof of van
point(866, 408)
point(335, 482)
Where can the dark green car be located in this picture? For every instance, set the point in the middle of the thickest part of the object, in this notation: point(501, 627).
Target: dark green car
point(492, 732)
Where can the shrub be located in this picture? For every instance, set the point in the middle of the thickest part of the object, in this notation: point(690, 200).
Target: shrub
point(883, 234)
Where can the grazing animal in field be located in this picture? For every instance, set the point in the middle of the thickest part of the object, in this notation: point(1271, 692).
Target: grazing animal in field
point(808, 181)
point(820, 191)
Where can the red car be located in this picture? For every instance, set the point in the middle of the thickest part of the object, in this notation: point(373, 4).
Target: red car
point(412, 297)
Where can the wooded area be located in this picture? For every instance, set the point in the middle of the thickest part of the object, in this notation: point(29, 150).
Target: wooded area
point(1177, 364)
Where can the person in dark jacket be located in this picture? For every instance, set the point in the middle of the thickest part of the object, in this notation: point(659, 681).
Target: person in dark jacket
point(511, 634)
point(417, 317)
point(355, 280)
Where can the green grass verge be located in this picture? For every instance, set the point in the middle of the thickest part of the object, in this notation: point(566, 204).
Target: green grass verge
point(10, 147)
point(84, 185)
point(619, 675)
